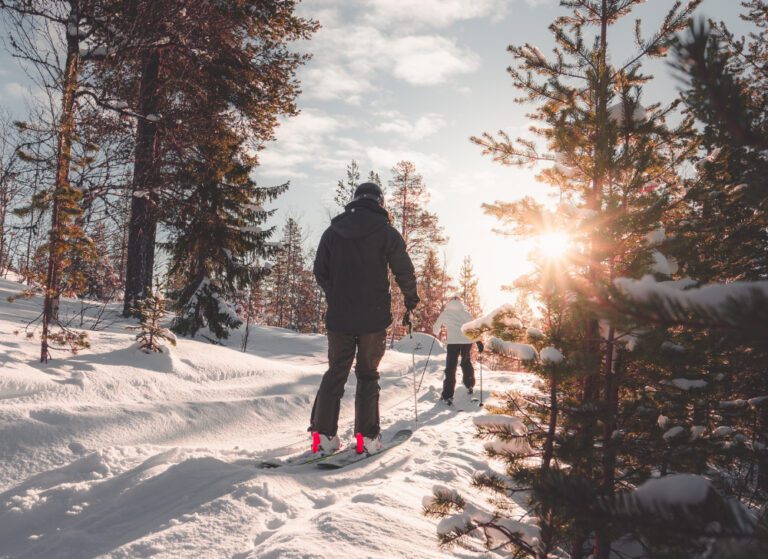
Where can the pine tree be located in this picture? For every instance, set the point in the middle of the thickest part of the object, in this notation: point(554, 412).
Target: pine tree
point(420, 228)
point(614, 170)
point(239, 50)
point(218, 236)
point(152, 334)
point(430, 292)
point(718, 235)
point(285, 297)
point(70, 24)
point(468, 288)
point(345, 189)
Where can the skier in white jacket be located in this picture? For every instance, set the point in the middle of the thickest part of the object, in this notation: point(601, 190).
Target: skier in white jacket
point(453, 317)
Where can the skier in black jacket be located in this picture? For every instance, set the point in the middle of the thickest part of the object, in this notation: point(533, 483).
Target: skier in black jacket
point(351, 266)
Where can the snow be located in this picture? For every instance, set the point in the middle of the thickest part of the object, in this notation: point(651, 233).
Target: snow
point(514, 446)
point(673, 433)
point(722, 431)
point(758, 401)
point(420, 344)
point(733, 404)
point(702, 163)
point(714, 296)
point(656, 237)
point(453, 523)
point(688, 384)
point(675, 489)
point(551, 355)
point(672, 347)
point(504, 315)
point(524, 352)
point(93, 52)
point(535, 333)
point(113, 453)
point(663, 265)
point(513, 424)
point(697, 431)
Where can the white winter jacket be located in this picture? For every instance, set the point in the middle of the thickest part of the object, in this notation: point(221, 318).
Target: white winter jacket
point(454, 315)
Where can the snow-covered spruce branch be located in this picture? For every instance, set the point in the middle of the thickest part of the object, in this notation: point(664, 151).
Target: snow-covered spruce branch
point(461, 520)
point(738, 307)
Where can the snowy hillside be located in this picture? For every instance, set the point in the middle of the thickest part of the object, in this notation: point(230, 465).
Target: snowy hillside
point(116, 453)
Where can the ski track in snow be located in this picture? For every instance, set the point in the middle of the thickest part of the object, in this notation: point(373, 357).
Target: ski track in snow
point(113, 453)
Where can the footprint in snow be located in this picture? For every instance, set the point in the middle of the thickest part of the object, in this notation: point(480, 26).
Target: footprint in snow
point(364, 498)
point(321, 501)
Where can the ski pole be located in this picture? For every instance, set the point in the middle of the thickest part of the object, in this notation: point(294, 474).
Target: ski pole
point(413, 358)
point(426, 364)
point(480, 360)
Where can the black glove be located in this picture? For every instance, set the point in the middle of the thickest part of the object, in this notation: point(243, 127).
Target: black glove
point(480, 346)
point(407, 319)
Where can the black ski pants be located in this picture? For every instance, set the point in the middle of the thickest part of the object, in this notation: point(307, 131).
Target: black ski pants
point(467, 371)
point(368, 349)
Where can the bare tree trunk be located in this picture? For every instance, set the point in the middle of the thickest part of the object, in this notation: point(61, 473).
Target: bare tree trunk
point(62, 187)
point(143, 221)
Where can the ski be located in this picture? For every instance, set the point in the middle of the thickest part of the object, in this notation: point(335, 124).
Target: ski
point(298, 460)
point(343, 459)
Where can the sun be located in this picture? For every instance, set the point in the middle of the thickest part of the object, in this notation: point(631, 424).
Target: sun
point(553, 245)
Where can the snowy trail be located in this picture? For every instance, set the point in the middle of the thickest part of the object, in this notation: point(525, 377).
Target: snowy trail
point(113, 453)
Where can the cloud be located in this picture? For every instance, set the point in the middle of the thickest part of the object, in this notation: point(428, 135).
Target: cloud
point(385, 158)
point(351, 60)
point(334, 81)
point(432, 13)
point(430, 60)
point(303, 142)
point(15, 90)
point(411, 129)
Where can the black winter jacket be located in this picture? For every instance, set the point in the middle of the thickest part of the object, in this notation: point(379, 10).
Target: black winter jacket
point(351, 267)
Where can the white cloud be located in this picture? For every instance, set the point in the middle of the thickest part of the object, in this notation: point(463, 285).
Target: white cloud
point(15, 90)
point(430, 60)
point(426, 163)
point(412, 129)
point(351, 60)
point(432, 13)
point(333, 81)
point(303, 142)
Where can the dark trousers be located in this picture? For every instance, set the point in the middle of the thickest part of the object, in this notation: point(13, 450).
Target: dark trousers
point(467, 371)
point(342, 349)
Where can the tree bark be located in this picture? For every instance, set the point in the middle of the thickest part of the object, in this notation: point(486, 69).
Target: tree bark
point(142, 225)
point(62, 187)
point(549, 444)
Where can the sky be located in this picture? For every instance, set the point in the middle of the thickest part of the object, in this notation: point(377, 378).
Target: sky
point(394, 80)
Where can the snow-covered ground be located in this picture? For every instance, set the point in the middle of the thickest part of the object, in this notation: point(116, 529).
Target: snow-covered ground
point(114, 453)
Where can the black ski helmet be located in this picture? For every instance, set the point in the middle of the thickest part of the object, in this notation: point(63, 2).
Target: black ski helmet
point(369, 190)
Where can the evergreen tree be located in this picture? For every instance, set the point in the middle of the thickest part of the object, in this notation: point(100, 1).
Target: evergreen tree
point(152, 311)
point(345, 189)
point(239, 50)
point(468, 288)
point(218, 235)
point(71, 26)
point(420, 228)
point(430, 292)
point(285, 279)
point(614, 170)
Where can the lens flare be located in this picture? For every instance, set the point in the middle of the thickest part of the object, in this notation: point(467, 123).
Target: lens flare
point(553, 245)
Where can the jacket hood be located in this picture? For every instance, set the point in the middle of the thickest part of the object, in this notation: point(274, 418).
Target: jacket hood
point(360, 219)
point(455, 305)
